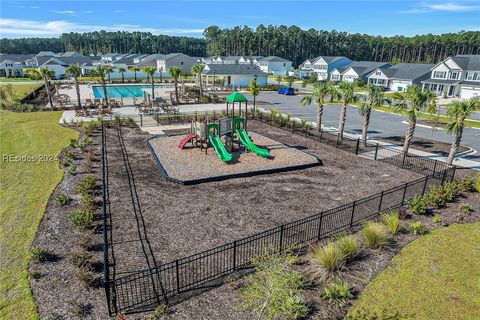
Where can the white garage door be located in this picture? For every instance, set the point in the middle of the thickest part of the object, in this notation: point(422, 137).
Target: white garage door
point(468, 92)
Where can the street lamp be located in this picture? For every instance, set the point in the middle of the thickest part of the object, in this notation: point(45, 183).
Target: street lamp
point(255, 94)
point(214, 80)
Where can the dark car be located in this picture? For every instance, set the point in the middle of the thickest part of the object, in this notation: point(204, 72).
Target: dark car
point(286, 91)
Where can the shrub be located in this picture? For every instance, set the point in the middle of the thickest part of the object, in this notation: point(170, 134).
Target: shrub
point(62, 199)
point(87, 276)
point(88, 141)
point(87, 185)
point(437, 219)
point(418, 228)
point(458, 216)
point(337, 291)
point(80, 258)
point(465, 208)
point(159, 311)
point(274, 291)
point(329, 255)
point(348, 246)
point(467, 184)
point(73, 142)
point(419, 205)
point(82, 219)
point(392, 222)
point(34, 274)
point(375, 235)
point(72, 168)
point(38, 254)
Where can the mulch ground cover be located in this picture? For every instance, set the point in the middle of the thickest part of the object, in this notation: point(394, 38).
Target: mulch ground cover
point(424, 144)
point(226, 302)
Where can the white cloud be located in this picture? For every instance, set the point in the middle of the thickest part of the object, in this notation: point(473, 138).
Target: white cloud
point(446, 7)
point(118, 11)
point(67, 12)
point(452, 7)
point(28, 28)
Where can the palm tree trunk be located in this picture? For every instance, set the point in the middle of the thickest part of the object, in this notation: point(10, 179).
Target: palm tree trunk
point(341, 123)
point(135, 75)
point(201, 88)
point(319, 117)
point(153, 88)
point(455, 145)
point(409, 135)
point(366, 123)
point(77, 88)
point(49, 95)
point(176, 90)
point(123, 78)
point(104, 86)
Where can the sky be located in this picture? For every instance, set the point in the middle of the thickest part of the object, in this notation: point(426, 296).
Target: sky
point(42, 18)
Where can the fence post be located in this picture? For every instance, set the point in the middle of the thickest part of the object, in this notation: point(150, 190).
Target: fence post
point(453, 174)
point(281, 237)
point(380, 204)
point(425, 185)
point(404, 193)
point(435, 167)
point(234, 255)
point(178, 276)
point(141, 120)
point(353, 213)
point(444, 176)
point(320, 227)
point(376, 152)
point(357, 146)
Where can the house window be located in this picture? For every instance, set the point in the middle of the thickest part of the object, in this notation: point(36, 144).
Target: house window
point(378, 73)
point(284, 64)
point(472, 76)
point(454, 75)
point(181, 63)
point(439, 74)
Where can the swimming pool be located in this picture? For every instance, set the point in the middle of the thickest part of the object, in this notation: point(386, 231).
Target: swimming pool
point(127, 91)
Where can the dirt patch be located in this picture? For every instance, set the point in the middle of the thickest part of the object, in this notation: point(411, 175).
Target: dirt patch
point(423, 144)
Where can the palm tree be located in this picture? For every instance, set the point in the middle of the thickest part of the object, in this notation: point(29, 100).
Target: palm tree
point(102, 71)
point(254, 90)
point(414, 100)
point(457, 112)
point(134, 69)
point(197, 70)
point(175, 73)
point(122, 70)
point(373, 97)
point(75, 71)
point(320, 91)
point(150, 71)
point(345, 92)
point(46, 75)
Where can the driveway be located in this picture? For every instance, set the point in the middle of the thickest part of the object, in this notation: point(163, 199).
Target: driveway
point(381, 123)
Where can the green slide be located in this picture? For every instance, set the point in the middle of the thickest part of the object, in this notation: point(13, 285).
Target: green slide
point(217, 144)
point(245, 139)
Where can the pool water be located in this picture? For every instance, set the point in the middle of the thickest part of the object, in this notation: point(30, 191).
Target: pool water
point(128, 91)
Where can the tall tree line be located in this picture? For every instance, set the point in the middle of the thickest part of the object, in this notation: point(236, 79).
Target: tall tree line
point(296, 44)
point(107, 42)
point(291, 42)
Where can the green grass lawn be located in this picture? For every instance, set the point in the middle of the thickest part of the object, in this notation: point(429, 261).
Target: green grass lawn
point(434, 277)
point(21, 90)
point(17, 80)
point(24, 191)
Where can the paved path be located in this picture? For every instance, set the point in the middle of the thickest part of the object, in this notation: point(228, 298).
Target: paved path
point(381, 123)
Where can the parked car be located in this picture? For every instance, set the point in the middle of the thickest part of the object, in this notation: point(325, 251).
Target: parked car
point(286, 91)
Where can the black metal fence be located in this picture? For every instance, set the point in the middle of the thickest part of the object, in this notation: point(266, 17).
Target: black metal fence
point(135, 292)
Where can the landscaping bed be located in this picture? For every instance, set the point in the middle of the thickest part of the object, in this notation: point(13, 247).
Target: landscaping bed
point(65, 275)
point(367, 264)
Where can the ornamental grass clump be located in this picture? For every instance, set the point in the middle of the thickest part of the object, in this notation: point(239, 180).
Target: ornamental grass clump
point(392, 222)
point(274, 291)
point(348, 246)
point(330, 257)
point(375, 235)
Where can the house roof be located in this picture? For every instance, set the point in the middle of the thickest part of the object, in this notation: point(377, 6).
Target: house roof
point(232, 69)
point(365, 67)
point(15, 57)
point(467, 61)
point(71, 54)
point(66, 61)
point(406, 71)
point(441, 81)
point(126, 60)
point(274, 59)
point(45, 53)
point(328, 59)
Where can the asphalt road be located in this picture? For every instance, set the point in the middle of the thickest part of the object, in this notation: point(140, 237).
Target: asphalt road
point(382, 124)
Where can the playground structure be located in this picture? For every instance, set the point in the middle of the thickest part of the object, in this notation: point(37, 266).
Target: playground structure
point(232, 128)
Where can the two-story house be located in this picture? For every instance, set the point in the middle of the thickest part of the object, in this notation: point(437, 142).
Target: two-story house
point(322, 66)
point(356, 70)
point(274, 65)
point(400, 76)
point(180, 60)
point(457, 76)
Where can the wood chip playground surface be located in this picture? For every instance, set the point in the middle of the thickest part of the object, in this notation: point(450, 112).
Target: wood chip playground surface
point(193, 164)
